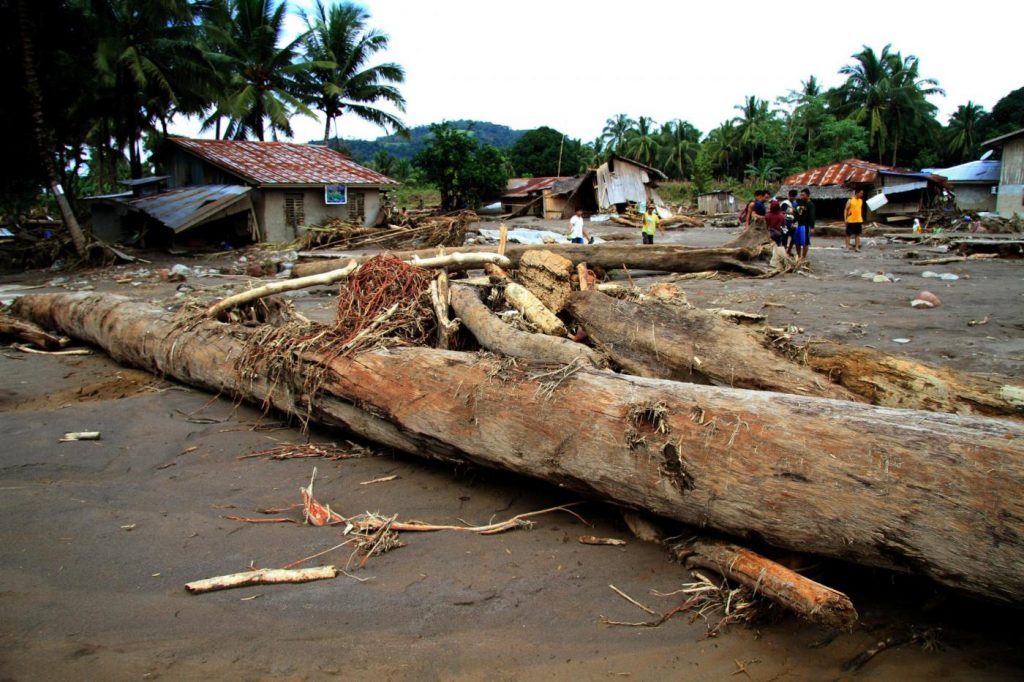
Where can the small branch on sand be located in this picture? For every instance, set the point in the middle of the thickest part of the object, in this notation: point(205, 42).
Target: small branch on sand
point(262, 576)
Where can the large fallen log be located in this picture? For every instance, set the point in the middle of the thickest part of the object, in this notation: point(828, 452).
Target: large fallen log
point(896, 381)
point(935, 494)
point(495, 335)
point(687, 344)
point(608, 256)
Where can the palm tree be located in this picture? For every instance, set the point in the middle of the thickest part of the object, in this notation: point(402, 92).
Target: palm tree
point(963, 130)
point(338, 36)
point(752, 122)
point(616, 129)
point(763, 172)
point(147, 62)
point(884, 93)
point(641, 143)
point(679, 145)
point(261, 91)
point(723, 147)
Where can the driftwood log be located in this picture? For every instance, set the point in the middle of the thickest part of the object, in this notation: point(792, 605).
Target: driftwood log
point(753, 236)
point(896, 381)
point(803, 596)
point(608, 256)
point(687, 344)
point(928, 493)
point(497, 336)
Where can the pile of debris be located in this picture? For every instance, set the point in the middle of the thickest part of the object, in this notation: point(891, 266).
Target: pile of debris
point(406, 229)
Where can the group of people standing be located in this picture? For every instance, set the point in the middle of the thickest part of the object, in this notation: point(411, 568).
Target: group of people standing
point(790, 221)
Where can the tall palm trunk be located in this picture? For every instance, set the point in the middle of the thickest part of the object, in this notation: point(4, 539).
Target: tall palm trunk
point(39, 129)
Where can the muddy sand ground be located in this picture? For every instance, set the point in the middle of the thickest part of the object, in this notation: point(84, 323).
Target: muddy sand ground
point(99, 537)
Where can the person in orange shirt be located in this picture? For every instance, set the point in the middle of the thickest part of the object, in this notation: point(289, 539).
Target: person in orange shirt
point(854, 215)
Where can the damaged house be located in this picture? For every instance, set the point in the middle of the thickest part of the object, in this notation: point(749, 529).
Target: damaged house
point(974, 183)
point(906, 192)
point(1010, 194)
point(240, 191)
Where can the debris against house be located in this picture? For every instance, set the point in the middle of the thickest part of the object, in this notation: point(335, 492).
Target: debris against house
point(712, 456)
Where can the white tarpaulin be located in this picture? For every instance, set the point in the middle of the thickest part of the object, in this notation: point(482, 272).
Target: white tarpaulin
point(522, 235)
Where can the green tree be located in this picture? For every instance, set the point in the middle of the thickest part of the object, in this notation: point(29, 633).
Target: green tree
point(384, 163)
point(679, 143)
point(343, 81)
point(641, 143)
point(545, 152)
point(963, 134)
point(724, 152)
point(763, 172)
point(593, 154)
point(886, 95)
point(148, 62)
point(1007, 115)
point(463, 171)
point(262, 90)
point(615, 131)
point(754, 125)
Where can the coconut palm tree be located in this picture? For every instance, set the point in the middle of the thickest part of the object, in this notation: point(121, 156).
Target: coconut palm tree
point(963, 129)
point(886, 95)
point(147, 61)
point(641, 143)
point(752, 124)
point(261, 90)
point(338, 36)
point(680, 141)
point(615, 131)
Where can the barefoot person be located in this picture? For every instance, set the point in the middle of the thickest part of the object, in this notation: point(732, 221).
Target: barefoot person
point(854, 215)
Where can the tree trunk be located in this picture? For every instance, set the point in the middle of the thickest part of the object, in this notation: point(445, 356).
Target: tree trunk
point(495, 335)
point(28, 332)
point(895, 381)
point(686, 344)
point(606, 256)
point(935, 494)
point(43, 138)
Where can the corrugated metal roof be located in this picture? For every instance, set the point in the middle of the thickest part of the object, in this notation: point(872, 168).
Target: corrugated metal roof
point(283, 163)
point(852, 171)
point(1002, 139)
point(849, 171)
point(518, 187)
point(972, 171)
point(185, 207)
point(905, 187)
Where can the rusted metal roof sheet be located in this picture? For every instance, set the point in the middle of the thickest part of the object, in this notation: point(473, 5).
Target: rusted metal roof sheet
point(849, 171)
point(185, 207)
point(521, 187)
point(282, 163)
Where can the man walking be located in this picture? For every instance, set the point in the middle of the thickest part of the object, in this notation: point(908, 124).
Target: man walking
point(578, 233)
point(652, 222)
point(854, 216)
point(805, 216)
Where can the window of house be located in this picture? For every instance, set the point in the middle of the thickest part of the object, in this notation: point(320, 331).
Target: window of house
point(294, 209)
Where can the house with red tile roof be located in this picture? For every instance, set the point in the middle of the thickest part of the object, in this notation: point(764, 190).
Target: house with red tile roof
point(291, 186)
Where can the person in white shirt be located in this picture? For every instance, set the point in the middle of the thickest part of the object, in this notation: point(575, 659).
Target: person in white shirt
point(578, 233)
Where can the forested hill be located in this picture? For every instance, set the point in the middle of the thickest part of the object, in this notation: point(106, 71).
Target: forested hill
point(363, 151)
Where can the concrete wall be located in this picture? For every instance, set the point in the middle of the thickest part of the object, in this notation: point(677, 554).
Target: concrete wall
point(270, 210)
point(1011, 179)
point(975, 197)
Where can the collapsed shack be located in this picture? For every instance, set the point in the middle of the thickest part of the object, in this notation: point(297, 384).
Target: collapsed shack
point(921, 492)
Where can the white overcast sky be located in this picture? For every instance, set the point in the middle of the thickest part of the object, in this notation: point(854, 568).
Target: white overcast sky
point(573, 64)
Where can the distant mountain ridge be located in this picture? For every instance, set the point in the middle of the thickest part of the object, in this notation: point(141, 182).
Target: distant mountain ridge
point(485, 132)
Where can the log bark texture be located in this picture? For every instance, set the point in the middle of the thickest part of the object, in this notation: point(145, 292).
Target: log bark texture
point(895, 381)
point(687, 344)
point(607, 256)
point(803, 596)
point(495, 335)
point(928, 493)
